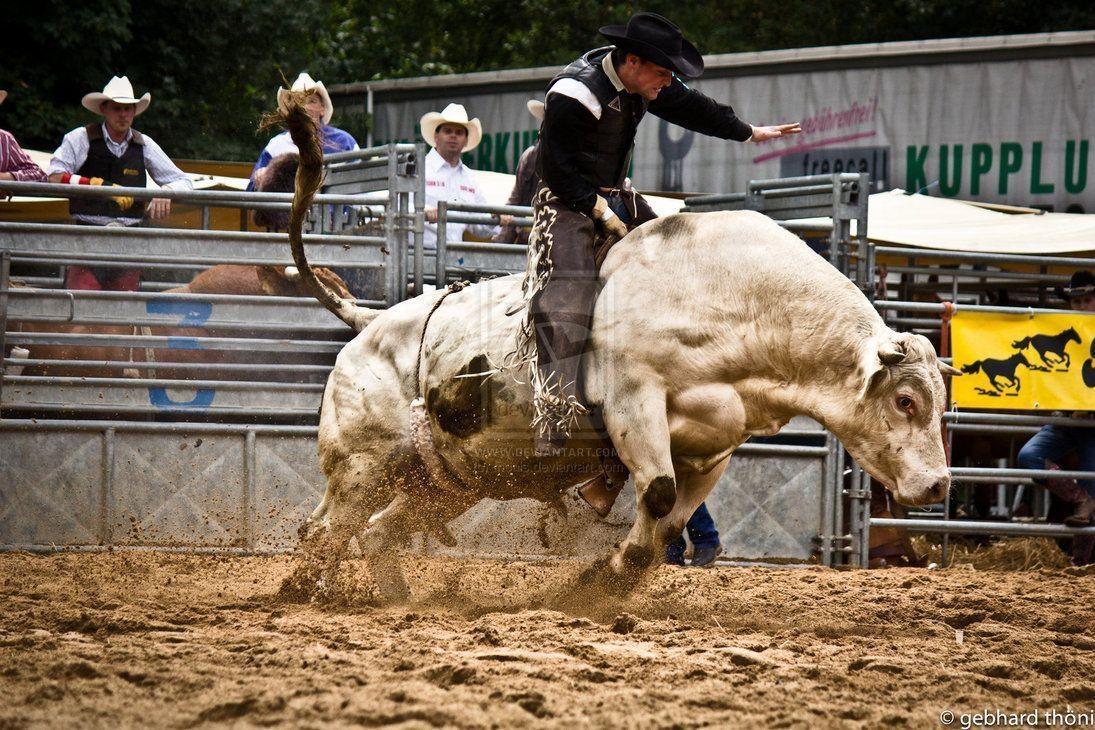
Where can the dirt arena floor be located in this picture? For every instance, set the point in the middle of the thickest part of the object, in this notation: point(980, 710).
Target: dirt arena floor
point(162, 640)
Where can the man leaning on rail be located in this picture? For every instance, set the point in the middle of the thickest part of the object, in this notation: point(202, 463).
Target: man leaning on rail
point(111, 152)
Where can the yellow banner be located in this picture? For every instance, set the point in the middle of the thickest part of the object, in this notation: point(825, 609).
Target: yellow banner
point(1024, 362)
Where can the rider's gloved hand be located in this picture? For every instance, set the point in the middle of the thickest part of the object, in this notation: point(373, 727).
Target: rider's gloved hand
point(608, 220)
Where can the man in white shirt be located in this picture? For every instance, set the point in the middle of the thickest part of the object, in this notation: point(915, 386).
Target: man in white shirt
point(450, 133)
point(113, 153)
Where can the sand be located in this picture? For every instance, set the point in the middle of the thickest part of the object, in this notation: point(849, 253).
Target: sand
point(169, 640)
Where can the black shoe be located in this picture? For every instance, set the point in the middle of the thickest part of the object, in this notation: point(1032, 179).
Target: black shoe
point(704, 556)
point(674, 560)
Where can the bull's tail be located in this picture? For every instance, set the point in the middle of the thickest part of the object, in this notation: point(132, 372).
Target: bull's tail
point(309, 177)
point(973, 367)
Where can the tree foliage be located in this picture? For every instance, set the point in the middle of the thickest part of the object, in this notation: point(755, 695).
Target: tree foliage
point(213, 66)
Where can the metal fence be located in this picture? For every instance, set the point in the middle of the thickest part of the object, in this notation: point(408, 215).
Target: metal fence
point(147, 446)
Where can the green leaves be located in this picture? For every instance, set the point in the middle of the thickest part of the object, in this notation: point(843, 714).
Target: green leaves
point(214, 66)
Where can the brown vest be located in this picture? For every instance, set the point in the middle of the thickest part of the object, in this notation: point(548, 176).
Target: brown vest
point(127, 170)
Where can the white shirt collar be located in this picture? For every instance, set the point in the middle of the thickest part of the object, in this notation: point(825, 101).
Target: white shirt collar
point(434, 162)
point(108, 138)
point(610, 70)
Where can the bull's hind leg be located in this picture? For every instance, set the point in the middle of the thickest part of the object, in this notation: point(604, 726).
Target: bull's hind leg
point(324, 539)
point(379, 544)
point(420, 508)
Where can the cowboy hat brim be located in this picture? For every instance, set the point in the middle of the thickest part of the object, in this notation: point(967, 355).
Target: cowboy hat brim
point(319, 89)
point(432, 120)
point(688, 63)
point(93, 101)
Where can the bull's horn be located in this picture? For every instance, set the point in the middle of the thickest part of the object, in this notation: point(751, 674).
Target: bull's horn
point(947, 369)
point(891, 353)
point(292, 273)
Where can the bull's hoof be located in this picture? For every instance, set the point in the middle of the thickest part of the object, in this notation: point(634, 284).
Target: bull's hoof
point(603, 578)
point(389, 578)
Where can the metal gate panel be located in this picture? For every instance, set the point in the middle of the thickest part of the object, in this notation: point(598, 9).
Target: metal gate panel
point(49, 488)
point(768, 507)
point(178, 490)
point(288, 486)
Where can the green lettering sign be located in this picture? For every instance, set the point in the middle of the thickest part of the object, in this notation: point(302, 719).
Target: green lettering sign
point(1037, 187)
point(1011, 161)
point(1075, 170)
point(915, 177)
point(950, 179)
point(980, 163)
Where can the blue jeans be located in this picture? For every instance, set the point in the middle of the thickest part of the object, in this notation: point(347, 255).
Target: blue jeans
point(701, 531)
point(1054, 443)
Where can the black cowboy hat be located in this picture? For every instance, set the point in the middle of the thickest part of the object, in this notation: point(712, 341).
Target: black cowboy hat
point(1082, 282)
point(653, 38)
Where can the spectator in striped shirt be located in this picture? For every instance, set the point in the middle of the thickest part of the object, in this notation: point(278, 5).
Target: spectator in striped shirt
point(113, 153)
point(14, 163)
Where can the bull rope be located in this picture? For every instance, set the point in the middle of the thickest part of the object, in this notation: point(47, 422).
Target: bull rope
point(421, 435)
point(450, 289)
point(552, 411)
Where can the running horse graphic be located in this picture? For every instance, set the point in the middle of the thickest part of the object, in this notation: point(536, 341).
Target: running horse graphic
point(1001, 374)
point(1051, 348)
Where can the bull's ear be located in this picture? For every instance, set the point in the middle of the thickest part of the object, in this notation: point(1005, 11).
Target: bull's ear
point(947, 369)
point(872, 368)
point(891, 352)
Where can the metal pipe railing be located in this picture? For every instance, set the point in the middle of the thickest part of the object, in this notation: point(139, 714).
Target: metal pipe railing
point(215, 198)
point(168, 342)
point(979, 257)
point(228, 367)
point(28, 424)
point(969, 527)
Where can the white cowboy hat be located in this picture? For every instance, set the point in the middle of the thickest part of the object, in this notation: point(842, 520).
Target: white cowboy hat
point(452, 114)
point(307, 84)
point(535, 108)
point(3, 95)
point(118, 90)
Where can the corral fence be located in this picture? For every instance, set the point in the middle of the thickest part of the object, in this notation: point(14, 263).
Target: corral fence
point(173, 420)
point(195, 429)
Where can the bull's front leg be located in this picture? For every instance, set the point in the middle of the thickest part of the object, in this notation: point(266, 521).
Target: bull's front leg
point(692, 489)
point(639, 429)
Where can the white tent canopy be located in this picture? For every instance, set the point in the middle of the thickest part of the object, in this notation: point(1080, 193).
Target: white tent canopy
point(922, 221)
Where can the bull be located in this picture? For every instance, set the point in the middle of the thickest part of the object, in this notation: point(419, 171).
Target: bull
point(417, 423)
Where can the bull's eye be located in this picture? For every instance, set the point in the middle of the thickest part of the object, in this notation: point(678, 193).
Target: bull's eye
point(906, 403)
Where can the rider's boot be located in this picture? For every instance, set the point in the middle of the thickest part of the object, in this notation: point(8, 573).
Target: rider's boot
point(601, 492)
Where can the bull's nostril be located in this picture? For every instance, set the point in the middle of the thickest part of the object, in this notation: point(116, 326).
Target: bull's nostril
point(939, 489)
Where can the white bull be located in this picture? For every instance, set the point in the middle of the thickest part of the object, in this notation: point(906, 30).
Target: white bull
point(710, 328)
